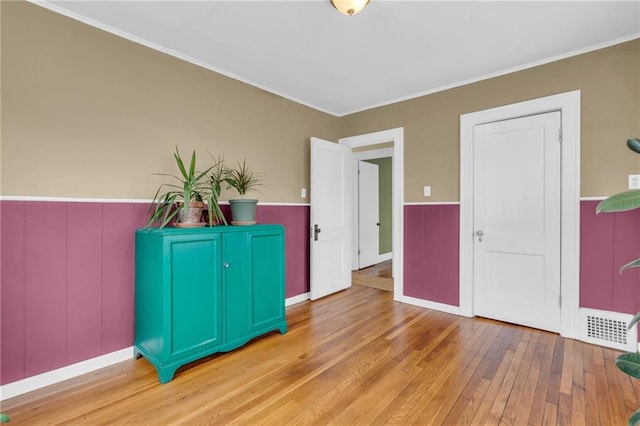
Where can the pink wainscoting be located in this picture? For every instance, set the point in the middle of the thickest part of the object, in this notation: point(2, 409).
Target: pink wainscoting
point(67, 279)
point(67, 283)
point(67, 272)
point(608, 241)
point(431, 253)
point(296, 221)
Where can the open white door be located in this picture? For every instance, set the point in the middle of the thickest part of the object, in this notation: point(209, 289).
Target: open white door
point(368, 214)
point(330, 217)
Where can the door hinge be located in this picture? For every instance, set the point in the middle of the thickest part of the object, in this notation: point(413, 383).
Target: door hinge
point(358, 252)
point(560, 300)
point(560, 135)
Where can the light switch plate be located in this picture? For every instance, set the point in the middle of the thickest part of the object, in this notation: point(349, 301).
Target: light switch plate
point(634, 181)
point(303, 192)
point(427, 191)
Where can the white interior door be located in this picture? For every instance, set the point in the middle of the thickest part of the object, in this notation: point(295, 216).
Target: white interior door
point(368, 214)
point(330, 218)
point(517, 220)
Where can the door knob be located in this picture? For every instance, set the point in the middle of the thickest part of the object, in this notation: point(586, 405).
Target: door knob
point(316, 231)
point(479, 234)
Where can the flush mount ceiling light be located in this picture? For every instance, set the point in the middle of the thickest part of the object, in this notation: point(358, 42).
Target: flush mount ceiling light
point(349, 7)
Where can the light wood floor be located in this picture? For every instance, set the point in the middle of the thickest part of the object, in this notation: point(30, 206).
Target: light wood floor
point(377, 276)
point(357, 357)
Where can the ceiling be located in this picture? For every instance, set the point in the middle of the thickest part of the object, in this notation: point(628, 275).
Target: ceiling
point(393, 50)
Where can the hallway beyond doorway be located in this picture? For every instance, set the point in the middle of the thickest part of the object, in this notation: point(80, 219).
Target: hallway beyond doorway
point(376, 276)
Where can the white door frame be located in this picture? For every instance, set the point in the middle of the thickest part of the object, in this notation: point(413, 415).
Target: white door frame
point(569, 106)
point(371, 154)
point(397, 137)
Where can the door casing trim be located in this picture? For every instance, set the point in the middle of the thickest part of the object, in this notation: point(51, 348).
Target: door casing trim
point(569, 106)
point(396, 136)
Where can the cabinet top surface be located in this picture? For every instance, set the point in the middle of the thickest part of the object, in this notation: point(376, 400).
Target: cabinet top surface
point(169, 230)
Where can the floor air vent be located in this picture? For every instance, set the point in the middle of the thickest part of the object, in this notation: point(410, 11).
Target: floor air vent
point(608, 329)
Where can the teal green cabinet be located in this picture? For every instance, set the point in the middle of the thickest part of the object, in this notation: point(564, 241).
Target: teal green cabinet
point(207, 290)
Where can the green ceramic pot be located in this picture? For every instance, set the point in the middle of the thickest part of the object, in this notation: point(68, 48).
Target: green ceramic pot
point(243, 211)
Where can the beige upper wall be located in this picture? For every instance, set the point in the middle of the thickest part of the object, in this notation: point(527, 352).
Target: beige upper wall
point(89, 114)
point(610, 83)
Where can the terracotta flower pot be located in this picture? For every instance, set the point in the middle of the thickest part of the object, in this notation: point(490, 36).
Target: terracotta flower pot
point(192, 216)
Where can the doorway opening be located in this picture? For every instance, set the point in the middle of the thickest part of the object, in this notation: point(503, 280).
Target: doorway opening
point(372, 236)
point(383, 144)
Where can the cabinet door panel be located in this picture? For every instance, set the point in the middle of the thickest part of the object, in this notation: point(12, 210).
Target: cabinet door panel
point(266, 281)
point(234, 288)
point(194, 292)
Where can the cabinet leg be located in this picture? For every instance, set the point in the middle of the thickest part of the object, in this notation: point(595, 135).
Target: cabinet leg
point(166, 374)
point(136, 353)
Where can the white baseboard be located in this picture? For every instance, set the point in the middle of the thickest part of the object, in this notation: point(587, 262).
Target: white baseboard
point(436, 306)
point(297, 299)
point(55, 376)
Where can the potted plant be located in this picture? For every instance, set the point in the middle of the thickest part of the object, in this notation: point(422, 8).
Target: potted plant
point(242, 179)
point(185, 199)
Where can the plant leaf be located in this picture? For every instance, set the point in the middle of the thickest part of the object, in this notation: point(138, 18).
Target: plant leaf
point(4, 418)
point(634, 420)
point(180, 163)
point(632, 264)
point(621, 202)
point(630, 364)
point(634, 321)
point(634, 144)
point(192, 165)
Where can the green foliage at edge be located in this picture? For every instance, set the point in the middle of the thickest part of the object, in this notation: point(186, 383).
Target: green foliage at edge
point(630, 364)
point(632, 264)
point(634, 321)
point(621, 202)
point(634, 420)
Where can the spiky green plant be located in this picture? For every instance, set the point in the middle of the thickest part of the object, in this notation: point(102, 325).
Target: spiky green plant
point(217, 176)
point(191, 186)
point(241, 178)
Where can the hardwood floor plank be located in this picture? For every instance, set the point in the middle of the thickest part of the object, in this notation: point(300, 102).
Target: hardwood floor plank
point(525, 405)
point(564, 409)
point(513, 402)
point(553, 388)
point(550, 416)
point(547, 344)
point(358, 358)
point(502, 397)
point(566, 379)
point(613, 380)
point(578, 408)
point(592, 402)
point(482, 414)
